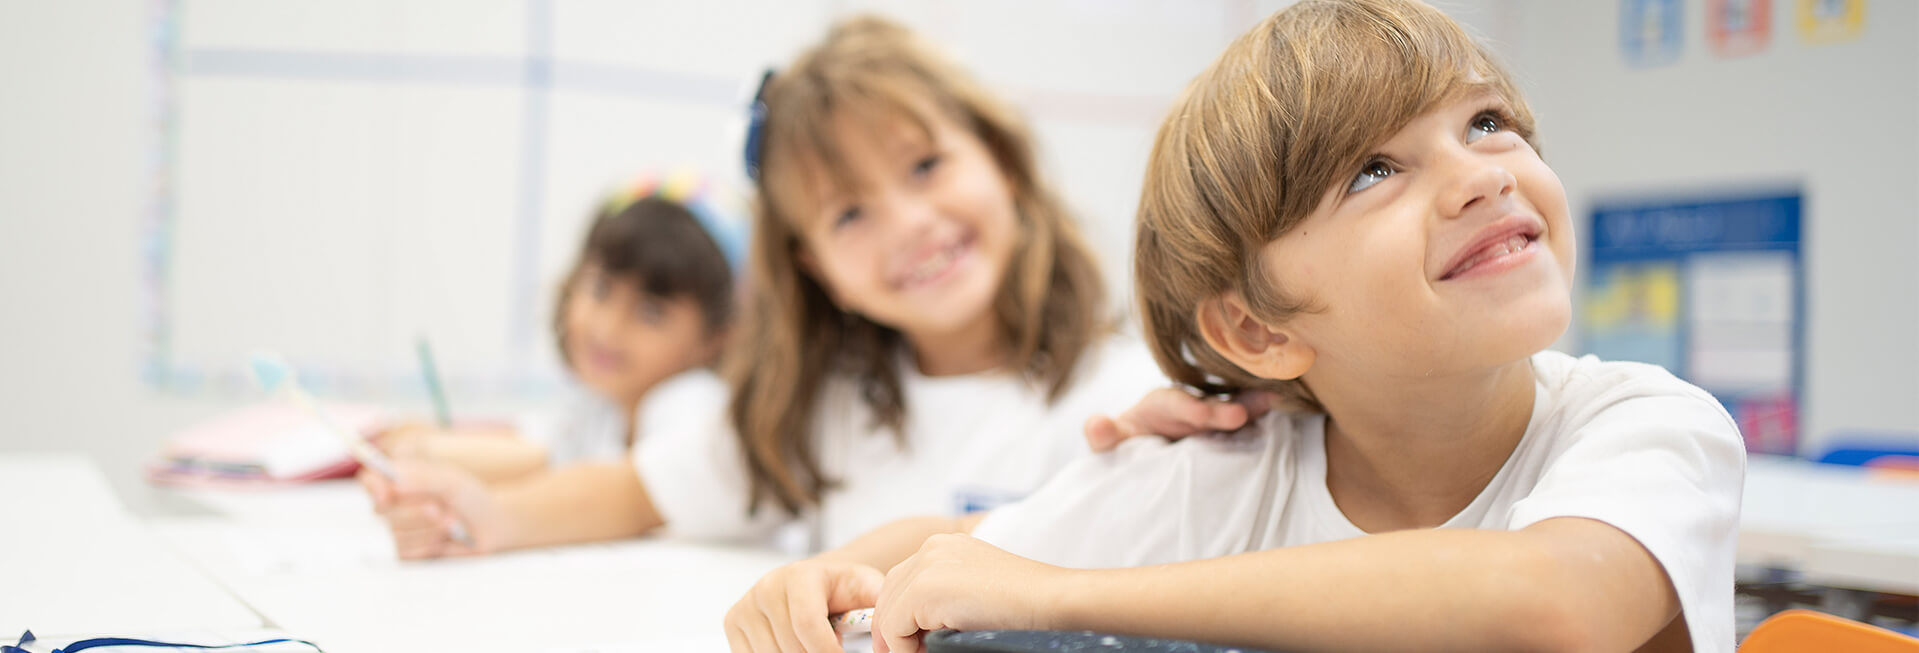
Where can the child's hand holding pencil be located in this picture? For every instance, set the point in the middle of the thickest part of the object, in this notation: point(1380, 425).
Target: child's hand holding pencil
point(433, 510)
point(807, 605)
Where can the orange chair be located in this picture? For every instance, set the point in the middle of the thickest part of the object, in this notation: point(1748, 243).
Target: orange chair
point(1806, 631)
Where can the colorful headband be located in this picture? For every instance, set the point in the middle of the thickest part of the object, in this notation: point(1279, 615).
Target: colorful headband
point(756, 127)
point(685, 188)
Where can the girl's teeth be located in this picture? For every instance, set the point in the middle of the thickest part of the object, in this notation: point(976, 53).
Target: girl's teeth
point(932, 265)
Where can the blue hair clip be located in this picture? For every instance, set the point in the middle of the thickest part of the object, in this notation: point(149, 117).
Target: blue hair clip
point(756, 127)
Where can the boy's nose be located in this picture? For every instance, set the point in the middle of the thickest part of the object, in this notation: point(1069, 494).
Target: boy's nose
point(1476, 182)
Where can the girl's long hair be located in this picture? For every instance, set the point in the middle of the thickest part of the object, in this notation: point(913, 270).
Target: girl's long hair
point(1050, 307)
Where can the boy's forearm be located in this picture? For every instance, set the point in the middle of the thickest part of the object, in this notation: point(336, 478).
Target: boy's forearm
point(1448, 589)
point(886, 546)
point(579, 503)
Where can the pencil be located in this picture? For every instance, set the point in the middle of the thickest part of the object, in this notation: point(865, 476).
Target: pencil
point(431, 373)
point(852, 622)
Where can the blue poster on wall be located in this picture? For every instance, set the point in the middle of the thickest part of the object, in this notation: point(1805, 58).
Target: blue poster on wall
point(1712, 289)
point(1650, 31)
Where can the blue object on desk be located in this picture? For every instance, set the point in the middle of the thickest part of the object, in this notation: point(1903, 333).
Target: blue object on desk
point(28, 638)
point(1054, 641)
point(1861, 448)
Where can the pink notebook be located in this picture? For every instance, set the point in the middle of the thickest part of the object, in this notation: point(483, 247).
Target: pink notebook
point(266, 443)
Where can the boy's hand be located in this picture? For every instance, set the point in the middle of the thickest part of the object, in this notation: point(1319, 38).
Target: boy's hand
point(960, 582)
point(787, 609)
point(422, 506)
point(1173, 414)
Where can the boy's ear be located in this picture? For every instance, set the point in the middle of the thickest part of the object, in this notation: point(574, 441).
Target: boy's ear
point(1264, 350)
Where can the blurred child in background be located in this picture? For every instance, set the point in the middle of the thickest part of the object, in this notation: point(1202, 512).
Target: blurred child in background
point(925, 328)
point(649, 298)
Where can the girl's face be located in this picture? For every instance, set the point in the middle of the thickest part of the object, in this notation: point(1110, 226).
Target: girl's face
point(1450, 251)
point(920, 239)
point(621, 341)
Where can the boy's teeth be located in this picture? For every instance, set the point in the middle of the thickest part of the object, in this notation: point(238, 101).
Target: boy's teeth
point(1493, 251)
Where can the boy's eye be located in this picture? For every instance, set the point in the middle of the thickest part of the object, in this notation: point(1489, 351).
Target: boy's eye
point(599, 286)
point(851, 214)
point(925, 166)
point(1482, 125)
point(1373, 172)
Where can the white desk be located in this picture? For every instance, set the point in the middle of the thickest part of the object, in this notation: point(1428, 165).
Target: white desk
point(327, 573)
point(1879, 565)
point(313, 562)
point(74, 563)
point(1837, 525)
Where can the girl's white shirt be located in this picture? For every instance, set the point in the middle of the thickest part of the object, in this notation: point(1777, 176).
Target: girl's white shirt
point(581, 427)
point(972, 442)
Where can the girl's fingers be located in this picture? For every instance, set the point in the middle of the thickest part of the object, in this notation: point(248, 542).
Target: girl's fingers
point(1225, 417)
point(377, 488)
point(411, 516)
point(1102, 433)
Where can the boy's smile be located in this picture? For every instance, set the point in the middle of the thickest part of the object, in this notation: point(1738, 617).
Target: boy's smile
point(1500, 246)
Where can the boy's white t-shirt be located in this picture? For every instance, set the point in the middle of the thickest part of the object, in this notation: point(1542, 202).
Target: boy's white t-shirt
point(582, 427)
point(972, 442)
point(1627, 444)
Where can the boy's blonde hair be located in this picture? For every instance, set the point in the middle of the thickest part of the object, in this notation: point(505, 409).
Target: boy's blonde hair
point(1292, 109)
point(1050, 307)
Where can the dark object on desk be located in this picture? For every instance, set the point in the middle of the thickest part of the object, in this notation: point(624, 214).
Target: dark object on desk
point(118, 642)
point(1053, 641)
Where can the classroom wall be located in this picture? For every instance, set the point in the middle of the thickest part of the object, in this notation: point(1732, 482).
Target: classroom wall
point(78, 146)
point(331, 179)
point(1839, 120)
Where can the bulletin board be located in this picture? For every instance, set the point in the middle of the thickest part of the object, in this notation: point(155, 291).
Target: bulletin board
point(1712, 288)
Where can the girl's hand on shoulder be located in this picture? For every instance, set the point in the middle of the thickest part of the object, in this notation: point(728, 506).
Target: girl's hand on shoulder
point(787, 610)
point(1173, 414)
point(963, 583)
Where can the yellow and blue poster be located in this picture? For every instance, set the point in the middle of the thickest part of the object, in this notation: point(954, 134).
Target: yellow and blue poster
point(1650, 32)
point(1711, 289)
point(1831, 21)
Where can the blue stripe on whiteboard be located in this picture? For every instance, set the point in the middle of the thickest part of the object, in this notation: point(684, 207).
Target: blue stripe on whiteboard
point(526, 219)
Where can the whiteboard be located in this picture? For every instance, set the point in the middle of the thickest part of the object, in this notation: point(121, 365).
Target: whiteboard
point(333, 180)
